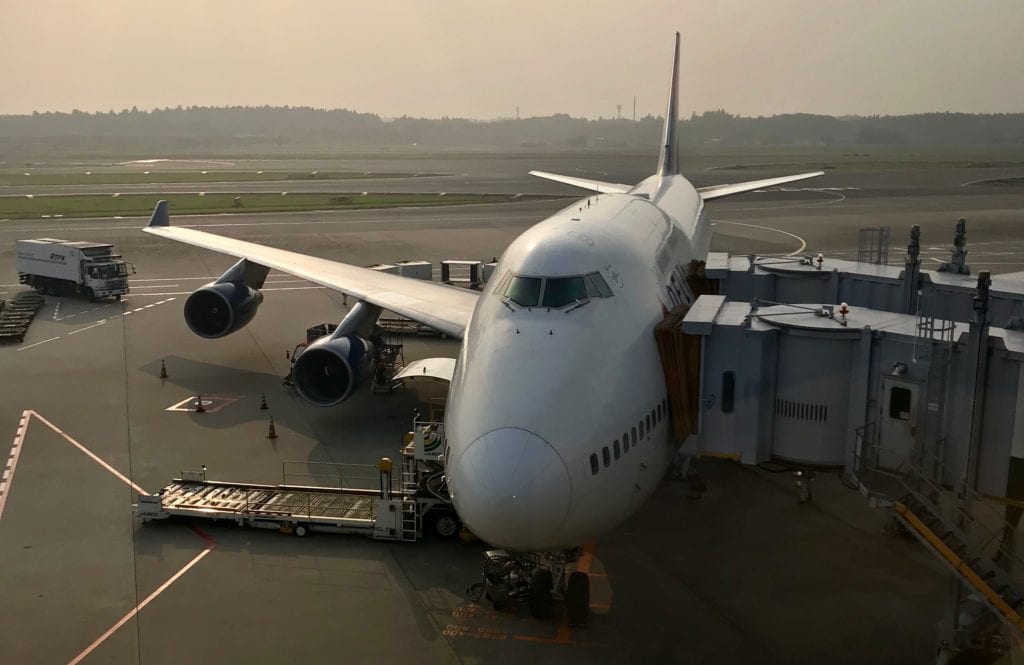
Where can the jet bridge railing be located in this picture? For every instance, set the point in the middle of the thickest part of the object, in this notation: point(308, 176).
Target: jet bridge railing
point(330, 475)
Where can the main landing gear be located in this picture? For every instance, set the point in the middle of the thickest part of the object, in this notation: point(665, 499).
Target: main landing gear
point(537, 578)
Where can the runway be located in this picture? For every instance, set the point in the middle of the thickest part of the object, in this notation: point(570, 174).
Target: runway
point(742, 574)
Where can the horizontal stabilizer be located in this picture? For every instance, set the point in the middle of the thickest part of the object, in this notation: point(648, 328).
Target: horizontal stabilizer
point(718, 191)
point(583, 183)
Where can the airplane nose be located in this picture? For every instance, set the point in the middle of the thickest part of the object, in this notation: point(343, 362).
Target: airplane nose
point(512, 489)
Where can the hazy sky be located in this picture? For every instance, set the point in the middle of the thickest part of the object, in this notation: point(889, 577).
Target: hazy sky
point(481, 58)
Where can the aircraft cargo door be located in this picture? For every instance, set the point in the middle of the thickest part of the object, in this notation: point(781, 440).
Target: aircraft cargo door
point(897, 421)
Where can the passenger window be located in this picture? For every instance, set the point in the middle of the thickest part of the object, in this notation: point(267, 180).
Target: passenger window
point(615, 448)
point(625, 443)
point(562, 291)
point(641, 429)
point(524, 291)
point(593, 464)
point(636, 441)
point(659, 411)
point(648, 423)
point(607, 457)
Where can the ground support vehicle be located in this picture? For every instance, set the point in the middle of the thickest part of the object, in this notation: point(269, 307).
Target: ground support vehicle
point(534, 577)
point(420, 502)
point(59, 267)
point(17, 314)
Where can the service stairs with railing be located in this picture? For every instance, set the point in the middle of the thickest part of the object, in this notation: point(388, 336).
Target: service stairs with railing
point(410, 485)
point(976, 561)
point(963, 530)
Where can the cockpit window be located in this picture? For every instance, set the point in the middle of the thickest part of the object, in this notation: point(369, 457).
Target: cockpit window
point(596, 286)
point(562, 291)
point(552, 292)
point(524, 291)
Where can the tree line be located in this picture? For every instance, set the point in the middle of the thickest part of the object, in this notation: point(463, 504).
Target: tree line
point(200, 129)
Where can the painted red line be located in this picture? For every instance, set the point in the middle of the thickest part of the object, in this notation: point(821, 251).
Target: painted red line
point(127, 617)
point(12, 461)
point(202, 534)
point(117, 474)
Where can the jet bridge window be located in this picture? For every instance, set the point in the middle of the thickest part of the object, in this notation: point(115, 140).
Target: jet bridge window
point(899, 403)
point(562, 291)
point(593, 464)
point(606, 456)
point(524, 291)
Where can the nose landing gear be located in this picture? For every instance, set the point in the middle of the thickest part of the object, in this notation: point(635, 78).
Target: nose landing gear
point(539, 578)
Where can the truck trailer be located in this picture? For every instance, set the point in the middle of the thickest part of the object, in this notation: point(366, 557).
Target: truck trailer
point(60, 267)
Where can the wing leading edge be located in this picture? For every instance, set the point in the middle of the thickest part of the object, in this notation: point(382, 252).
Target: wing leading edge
point(444, 308)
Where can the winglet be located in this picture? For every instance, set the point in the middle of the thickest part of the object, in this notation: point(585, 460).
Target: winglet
point(668, 161)
point(160, 216)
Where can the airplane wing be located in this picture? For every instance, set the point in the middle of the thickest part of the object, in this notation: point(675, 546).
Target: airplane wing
point(583, 183)
point(719, 191)
point(442, 307)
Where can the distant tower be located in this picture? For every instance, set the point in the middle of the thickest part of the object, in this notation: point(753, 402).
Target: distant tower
point(618, 116)
point(517, 113)
point(634, 108)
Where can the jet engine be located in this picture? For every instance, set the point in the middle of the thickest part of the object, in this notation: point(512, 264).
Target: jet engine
point(331, 368)
point(221, 308)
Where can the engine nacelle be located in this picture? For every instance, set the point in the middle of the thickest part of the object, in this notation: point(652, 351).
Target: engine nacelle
point(221, 308)
point(329, 370)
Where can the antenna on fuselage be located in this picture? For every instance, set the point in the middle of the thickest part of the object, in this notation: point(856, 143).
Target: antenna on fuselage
point(668, 161)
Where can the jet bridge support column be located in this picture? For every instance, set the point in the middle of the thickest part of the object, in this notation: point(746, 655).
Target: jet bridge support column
point(911, 272)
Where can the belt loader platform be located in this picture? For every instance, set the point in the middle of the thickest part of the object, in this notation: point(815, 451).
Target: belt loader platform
point(382, 514)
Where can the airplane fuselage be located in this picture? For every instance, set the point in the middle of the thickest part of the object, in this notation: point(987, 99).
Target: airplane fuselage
point(558, 425)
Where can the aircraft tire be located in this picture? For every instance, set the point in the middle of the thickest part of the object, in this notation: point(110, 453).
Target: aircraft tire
point(577, 599)
point(446, 525)
point(540, 594)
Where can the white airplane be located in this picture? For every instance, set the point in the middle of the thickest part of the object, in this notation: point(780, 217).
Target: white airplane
point(557, 423)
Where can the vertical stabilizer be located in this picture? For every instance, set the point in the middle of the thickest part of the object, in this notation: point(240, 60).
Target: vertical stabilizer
point(668, 161)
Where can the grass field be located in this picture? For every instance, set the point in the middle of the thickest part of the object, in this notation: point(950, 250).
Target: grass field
point(156, 177)
point(105, 205)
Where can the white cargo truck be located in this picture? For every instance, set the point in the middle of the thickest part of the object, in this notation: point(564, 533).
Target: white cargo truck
point(60, 267)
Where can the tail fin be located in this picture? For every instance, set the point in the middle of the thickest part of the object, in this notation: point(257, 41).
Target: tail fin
point(668, 161)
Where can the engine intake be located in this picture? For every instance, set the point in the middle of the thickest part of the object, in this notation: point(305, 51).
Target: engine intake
point(221, 308)
point(329, 370)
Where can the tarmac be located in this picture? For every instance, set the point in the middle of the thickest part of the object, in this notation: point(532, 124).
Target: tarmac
point(739, 573)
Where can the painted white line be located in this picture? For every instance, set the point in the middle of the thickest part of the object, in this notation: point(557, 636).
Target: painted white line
point(127, 617)
point(138, 309)
point(38, 343)
point(12, 460)
point(117, 474)
point(75, 332)
point(803, 243)
point(149, 305)
point(125, 314)
point(155, 286)
point(188, 293)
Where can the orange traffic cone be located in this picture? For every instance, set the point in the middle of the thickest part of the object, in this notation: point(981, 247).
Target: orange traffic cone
point(199, 404)
point(272, 434)
point(263, 401)
point(163, 369)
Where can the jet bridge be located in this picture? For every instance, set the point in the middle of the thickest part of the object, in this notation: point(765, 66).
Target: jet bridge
point(908, 382)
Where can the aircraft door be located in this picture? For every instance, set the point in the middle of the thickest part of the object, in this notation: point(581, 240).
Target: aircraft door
point(897, 421)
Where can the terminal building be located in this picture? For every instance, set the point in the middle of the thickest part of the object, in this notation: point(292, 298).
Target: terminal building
point(907, 381)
